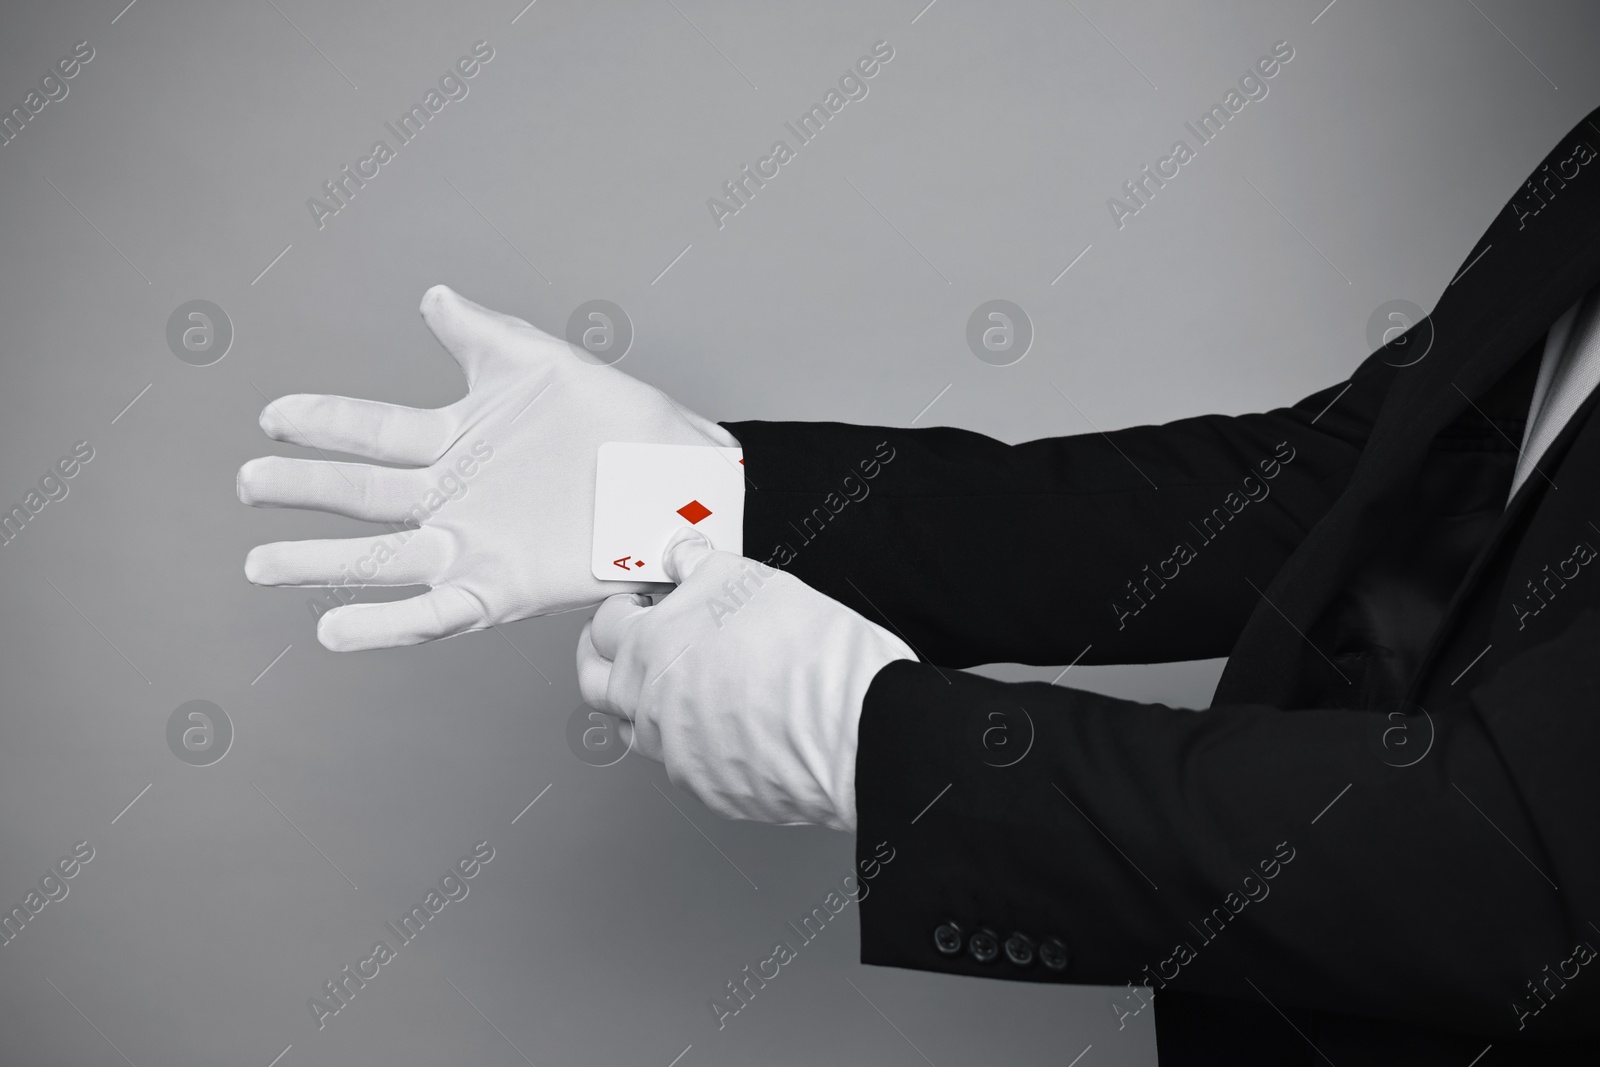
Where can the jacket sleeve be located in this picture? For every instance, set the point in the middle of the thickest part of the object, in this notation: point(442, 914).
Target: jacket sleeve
point(1125, 547)
point(1312, 858)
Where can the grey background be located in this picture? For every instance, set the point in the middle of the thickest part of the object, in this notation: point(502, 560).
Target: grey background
point(588, 147)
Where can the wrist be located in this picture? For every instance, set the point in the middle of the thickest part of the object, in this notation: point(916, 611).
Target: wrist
point(884, 650)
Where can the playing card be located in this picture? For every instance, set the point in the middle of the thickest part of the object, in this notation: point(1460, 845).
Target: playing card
point(645, 493)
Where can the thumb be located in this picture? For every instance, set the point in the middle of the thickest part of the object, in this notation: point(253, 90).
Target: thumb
point(473, 335)
point(684, 553)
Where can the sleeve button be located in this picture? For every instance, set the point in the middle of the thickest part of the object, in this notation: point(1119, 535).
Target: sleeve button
point(1053, 954)
point(1019, 949)
point(947, 939)
point(984, 945)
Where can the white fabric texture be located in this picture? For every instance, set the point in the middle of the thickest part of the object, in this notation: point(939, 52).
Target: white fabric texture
point(1569, 370)
point(746, 682)
point(493, 508)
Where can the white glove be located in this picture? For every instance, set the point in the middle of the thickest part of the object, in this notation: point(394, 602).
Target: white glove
point(746, 682)
point(501, 498)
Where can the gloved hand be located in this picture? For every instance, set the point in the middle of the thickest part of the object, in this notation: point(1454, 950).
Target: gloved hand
point(746, 682)
point(501, 497)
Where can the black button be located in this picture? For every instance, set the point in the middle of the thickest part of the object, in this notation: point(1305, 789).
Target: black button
point(984, 946)
point(947, 939)
point(1019, 949)
point(1053, 954)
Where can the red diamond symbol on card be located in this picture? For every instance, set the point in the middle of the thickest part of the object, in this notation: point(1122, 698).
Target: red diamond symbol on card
point(694, 511)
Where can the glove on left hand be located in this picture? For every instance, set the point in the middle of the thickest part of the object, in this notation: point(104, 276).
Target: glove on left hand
point(746, 682)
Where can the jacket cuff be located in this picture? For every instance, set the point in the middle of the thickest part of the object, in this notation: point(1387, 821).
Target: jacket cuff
point(949, 896)
point(803, 483)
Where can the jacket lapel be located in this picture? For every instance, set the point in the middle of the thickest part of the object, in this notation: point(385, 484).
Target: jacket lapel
point(1527, 497)
point(1527, 269)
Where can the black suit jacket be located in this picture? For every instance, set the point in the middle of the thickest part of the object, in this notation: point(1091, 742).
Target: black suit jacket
point(1379, 840)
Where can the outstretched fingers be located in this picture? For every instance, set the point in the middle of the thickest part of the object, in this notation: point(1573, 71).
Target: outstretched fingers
point(357, 490)
point(440, 612)
point(389, 433)
point(406, 557)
